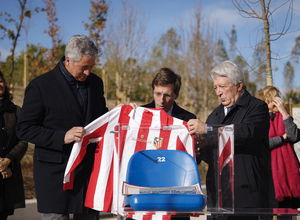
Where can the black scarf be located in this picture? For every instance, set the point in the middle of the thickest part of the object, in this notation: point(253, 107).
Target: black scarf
point(5, 106)
point(272, 115)
point(79, 89)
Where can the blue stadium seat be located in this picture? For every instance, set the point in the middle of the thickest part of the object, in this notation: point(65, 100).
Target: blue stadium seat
point(163, 168)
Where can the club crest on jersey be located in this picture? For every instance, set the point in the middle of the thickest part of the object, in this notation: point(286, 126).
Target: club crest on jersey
point(157, 142)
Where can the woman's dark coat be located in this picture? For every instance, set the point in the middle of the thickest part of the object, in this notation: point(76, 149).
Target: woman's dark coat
point(12, 189)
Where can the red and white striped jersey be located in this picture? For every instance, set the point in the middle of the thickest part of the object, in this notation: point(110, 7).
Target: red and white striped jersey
point(226, 158)
point(139, 129)
point(226, 146)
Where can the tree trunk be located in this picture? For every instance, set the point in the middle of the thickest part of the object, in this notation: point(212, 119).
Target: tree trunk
point(269, 76)
point(22, 5)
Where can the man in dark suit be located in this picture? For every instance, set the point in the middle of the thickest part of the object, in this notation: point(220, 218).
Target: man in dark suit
point(166, 86)
point(251, 126)
point(57, 106)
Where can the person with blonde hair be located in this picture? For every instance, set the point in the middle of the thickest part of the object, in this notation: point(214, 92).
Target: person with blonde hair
point(285, 166)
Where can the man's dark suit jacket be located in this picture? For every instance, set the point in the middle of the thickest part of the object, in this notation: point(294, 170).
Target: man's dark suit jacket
point(252, 155)
point(177, 112)
point(49, 111)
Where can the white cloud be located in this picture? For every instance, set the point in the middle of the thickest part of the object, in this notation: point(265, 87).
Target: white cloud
point(227, 17)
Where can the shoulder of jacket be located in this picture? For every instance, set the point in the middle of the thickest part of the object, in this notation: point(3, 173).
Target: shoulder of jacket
point(186, 112)
point(247, 100)
point(256, 101)
point(44, 76)
point(94, 77)
point(149, 105)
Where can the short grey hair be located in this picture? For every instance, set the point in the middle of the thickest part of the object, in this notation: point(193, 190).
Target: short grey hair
point(230, 70)
point(78, 46)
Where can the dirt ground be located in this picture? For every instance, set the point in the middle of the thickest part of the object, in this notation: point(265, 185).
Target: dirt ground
point(27, 172)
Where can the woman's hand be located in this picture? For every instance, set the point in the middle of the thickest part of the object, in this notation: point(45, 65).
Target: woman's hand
point(284, 137)
point(4, 163)
point(280, 106)
point(7, 173)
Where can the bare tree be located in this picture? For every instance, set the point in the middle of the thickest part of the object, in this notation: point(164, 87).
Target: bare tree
point(26, 27)
point(55, 53)
point(290, 66)
point(199, 44)
point(296, 51)
point(126, 47)
point(221, 51)
point(289, 75)
point(233, 40)
point(15, 34)
point(166, 53)
point(259, 64)
point(264, 10)
point(97, 21)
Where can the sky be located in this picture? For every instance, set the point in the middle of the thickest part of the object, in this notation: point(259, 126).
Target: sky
point(162, 15)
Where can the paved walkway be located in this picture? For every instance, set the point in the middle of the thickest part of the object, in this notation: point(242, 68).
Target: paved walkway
point(30, 213)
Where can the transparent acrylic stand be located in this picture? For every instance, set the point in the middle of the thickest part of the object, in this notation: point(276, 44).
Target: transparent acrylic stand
point(220, 183)
point(219, 138)
point(132, 139)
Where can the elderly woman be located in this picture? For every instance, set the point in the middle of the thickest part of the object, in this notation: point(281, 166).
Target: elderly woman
point(12, 151)
point(285, 166)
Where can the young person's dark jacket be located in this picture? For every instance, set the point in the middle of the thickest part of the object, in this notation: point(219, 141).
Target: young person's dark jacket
point(177, 112)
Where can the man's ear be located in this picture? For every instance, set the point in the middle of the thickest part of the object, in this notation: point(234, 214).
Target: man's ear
point(67, 61)
point(176, 96)
point(240, 86)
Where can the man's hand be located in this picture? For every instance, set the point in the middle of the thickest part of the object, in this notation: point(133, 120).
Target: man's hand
point(133, 105)
point(121, 104)
point(74, 134)
point(196, 126)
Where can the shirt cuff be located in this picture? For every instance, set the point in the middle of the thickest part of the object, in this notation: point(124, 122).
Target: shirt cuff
point(286, 117)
